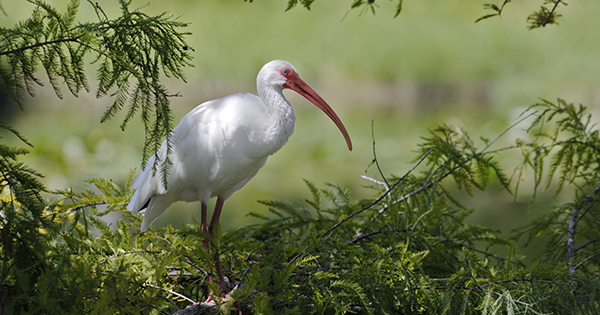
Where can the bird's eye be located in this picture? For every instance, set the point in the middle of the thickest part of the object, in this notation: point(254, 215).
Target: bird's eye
point(285, 71)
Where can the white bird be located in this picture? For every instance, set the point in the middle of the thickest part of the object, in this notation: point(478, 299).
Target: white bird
point(221, 144)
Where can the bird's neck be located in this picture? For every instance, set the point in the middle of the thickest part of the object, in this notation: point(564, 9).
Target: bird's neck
point(281, 118)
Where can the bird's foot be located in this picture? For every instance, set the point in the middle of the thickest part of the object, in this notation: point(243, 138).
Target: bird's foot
point(217, 298)
point(214, 299)
point(208, 301)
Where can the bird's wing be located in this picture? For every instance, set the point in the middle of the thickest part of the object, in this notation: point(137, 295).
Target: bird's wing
point(197, 144)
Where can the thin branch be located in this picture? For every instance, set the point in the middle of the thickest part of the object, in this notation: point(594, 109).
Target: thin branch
point(573, 220)
point(169, 291)
point(494, 8)
point(378, 182)
point(528, 280)
point(112, 59)
point(428, 184)
point(387, 185)
point(425, 186)
point(89, 204)
point(163, 239)
point(587, 200)
point(515, 262)
point(66, 40)
point(363, 236)
point(502, 7)
point(189, 262)
point(589, 142)
point(556, 3)
point(574, 268)
point(586, 244)
point(380, 197)
point(57, 41)
point(508, 129)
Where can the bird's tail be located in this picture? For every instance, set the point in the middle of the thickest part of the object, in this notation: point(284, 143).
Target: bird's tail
point(144, 186)
point(148, 195)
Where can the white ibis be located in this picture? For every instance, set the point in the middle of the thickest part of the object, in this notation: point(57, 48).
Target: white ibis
point(221, 144)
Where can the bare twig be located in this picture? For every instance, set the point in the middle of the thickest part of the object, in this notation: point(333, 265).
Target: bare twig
point(380, 197)
point(586, 244)
point(507, 129)
point(387, 185)
point(163, 239)
point(574, 268)
point(169, 291)
point(378, 182)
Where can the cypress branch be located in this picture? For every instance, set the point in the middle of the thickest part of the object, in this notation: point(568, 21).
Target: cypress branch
point(132, 52)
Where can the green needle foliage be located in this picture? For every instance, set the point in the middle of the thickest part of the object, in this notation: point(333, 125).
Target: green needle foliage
point(406, 250)
point(131, 54)
point(535, 20)
point(544, 16)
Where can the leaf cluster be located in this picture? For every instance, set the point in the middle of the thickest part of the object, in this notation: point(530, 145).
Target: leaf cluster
point(566, 136)
point(535, 20)
point(407, 249)
point(131, 53)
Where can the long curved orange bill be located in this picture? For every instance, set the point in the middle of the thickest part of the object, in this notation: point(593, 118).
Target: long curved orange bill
point(295, 83)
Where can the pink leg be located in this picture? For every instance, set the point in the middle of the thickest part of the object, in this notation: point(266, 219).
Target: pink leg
point(203, 229)
point(218, 266)
point(216, 215)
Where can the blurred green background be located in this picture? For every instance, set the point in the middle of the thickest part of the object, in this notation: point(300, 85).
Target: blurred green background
point(430, 65)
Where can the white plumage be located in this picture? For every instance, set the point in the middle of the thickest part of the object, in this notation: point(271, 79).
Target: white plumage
point(221, 144)
point(216, 149)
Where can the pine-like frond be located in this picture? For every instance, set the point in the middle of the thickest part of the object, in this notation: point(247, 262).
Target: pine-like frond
point(133, 52)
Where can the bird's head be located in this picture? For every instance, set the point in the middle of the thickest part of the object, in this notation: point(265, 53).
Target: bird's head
point(279, 75)
point(276, 74)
